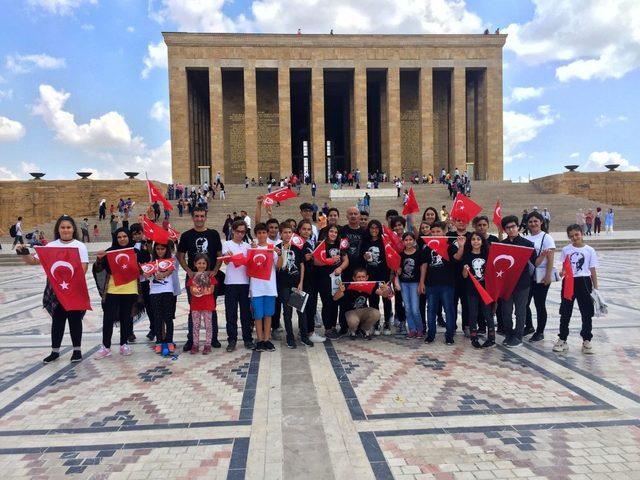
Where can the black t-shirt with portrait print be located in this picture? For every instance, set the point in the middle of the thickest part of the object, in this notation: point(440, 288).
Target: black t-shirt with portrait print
point(353, 300)
point(410, 266)
point(292, 259)
point(376, 267)
point(309, 267)
point(440, 272)
point(477, 263)
point(355, 237)
point(192, 243)
point(331, 250)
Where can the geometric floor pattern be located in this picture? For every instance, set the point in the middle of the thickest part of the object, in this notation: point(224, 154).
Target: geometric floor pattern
point(385, 408)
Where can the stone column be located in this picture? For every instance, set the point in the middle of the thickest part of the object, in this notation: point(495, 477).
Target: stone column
point(459, 103)
point(251, 122)
point(426, 120)
point(493, 140)
point(318, 148)
point(284, 120)
point(179, 115)
point(361, 159)
point(393, 114)
point(216, 120)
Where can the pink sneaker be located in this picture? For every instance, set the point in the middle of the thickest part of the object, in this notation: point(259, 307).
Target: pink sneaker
point(103, 352)
point(411, 334)
point(125, 350)
point(419, 335)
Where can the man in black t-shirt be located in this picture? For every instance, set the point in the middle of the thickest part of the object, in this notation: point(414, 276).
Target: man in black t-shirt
point(199, 239)
point(354, 235)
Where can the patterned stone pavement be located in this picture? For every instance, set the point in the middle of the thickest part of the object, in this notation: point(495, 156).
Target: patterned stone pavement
point(385, 408)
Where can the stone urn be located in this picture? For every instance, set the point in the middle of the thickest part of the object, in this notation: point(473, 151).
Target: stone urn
point(612, 166)
point(132, 175)
point(37, 175)
point(84, 175)
point(571, 168)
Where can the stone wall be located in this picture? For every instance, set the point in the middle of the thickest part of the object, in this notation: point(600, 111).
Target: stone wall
point(268, 137)
point(41, 201)
point(614, 188)
point(234, 126)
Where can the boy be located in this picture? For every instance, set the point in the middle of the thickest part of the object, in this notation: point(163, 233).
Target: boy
point(290, 275)
point(398, 224)
point(359, 315)
point(584, 262)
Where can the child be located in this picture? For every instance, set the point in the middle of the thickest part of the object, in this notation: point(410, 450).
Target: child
point(202, 302)
point(398, 224)
point(474, 259)
point(410, 281)
point(376, 266)
point(263, 294)
point(584, 262)
point(96, 233)
point(308, 336)
point(290, 275)
point(359, 315)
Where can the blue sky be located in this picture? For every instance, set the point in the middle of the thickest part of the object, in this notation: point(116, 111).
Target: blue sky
point(83, 83)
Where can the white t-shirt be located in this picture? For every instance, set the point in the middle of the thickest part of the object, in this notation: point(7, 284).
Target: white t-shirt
point(82, 249)
point(541, 241)
point(161, 286)
point(582, 259)
point(247, 220)
point(235, 275)
point(265, 288)
point(18, 229)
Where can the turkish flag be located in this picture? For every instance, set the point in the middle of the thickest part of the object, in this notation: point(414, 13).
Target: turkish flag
point(567, 282)
point(484, 295)
point(149, 269)
point(504, 267)
point(174, 235)
point(412, 204)
point(278, 196)
point(497, 215)
point(440, 245)
point(297, 241)
point(344, 244)
point(259, 263)
point(65, 273)
point(363, 287)
point(320, 254)
point(238, 259)
point(393, 238)
point(156, 196)
point(124, 266)
point(392, 257)
point(166, 265)
point(464, 208)
point(154, 232)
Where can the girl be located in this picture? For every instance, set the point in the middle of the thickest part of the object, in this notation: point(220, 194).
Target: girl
point(161, 294)
point(96, 233)
point(202, 302)
point(608, 221)
point(597, 222)
point(65, 233)
point(430, 215)
point(324, 278)
point(425, 231)
point(118, 300)
point(308, 336)
point(410, 281)
point(474, 261)
point(376, 266)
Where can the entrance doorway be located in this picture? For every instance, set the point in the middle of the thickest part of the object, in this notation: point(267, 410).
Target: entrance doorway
point(338, 85)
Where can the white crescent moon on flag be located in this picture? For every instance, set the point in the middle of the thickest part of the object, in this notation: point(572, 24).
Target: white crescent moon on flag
point(120, 255)
point(61, 264)
point(499, 210)
point(260, 258)
point(433, 241)
point(505, 257)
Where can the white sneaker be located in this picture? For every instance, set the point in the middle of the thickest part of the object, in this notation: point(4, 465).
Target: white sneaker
point(318, 320)
point(386, 332)
point(376, 332)
point(103, 352)
point(315, 338)
point(125, 350)
point(587, 348)
point(561, 346)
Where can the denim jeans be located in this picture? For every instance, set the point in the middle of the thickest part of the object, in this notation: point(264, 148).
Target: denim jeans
point(440, 296)
point(411, 306)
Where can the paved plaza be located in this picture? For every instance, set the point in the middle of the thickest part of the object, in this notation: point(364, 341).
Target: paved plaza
point(386, 408)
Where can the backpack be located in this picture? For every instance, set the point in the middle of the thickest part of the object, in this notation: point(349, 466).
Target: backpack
point(13, 231)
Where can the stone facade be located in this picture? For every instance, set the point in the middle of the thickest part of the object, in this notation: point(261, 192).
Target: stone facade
point(430, 115)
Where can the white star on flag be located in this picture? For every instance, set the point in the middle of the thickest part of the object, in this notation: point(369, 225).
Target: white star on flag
point(64, 285)
point(499, 274)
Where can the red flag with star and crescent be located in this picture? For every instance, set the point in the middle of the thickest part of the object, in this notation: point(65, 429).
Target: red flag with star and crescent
point(505, 264)
point(174, 235)
point(412, 204)
point(154, 232)
point(65, 273)
point(259, 263)
point(238, 259)
point(464, 208)
point(391, 255)
point(320, 254)
point(156, 196)
point(440, 245)
point(124, 266)
point(497, 215)
point(278, 196)
point(362, 287)
point(393, 238)
point(297, 241)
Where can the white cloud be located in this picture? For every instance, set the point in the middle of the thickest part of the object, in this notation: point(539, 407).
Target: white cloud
point(6, 94)
point(160, 112)
point(520, 94)
point(27, 167)
point(27, 63)
point(574, 155)
point(521, 128)
point(11, 130)
point(6, 174)
point(593, 39)
point(604, 120)
point(597, 161)
point(87, 26)
point(60, 7)
point(195, 15)
point(130, 29)
point(156, 58)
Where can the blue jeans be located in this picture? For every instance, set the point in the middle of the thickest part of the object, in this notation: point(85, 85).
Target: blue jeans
point(440, 296)
point(411, 306)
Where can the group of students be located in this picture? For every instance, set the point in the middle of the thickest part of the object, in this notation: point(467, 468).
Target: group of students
point(418, 297)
